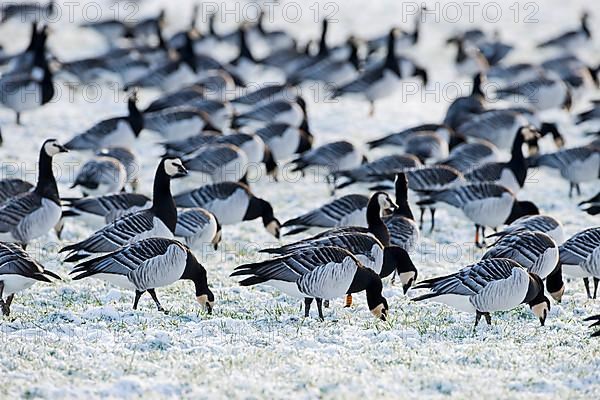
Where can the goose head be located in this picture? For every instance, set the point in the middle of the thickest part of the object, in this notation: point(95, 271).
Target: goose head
point(395, 258)
point(378, 305)
point(207, 301)
point(52, 147)
point(173, 167)
point(384, 201)
point(540, 308)
point(521, 209)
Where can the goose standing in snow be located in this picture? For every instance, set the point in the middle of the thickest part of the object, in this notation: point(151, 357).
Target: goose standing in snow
point(219, 162)
point(487, 286)
point(322, 273)
point(571, 39)
point(577, 164)
point(486, 204)
point(147, 265)
point(231, 202)
point(511, 174)
point(401, 224)
point(101, 175)
point(198, 226)
point(18, 271)
point(112, 132)
point(109, 207)
point(580, 257)
point(157, 221)
point(32, 214)
point(375, 171)
point(129, 161)
point(348, 210)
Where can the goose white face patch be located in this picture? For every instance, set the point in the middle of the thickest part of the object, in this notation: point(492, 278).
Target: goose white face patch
point(273, 228)
point(384, 202)
point(557, 296)
point(52, 148)
point(405, 277)
point(173, 166)
point(540, 310)
point(378, 311)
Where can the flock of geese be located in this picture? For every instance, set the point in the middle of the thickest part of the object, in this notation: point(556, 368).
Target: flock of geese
point(145, 242)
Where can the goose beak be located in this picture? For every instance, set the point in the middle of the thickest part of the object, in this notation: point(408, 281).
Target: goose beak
point(203, 300)
point(62, 149)
point(181, 171)
point(542, 321)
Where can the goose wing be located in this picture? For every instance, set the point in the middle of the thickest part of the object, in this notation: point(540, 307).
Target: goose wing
point(92, 138)
point(15, 210)
point(578, 248)
point(332, 213)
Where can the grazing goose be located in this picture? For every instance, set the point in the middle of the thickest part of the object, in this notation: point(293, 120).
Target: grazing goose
point(30, 89)
point(129, 161)
point(18, 271)
point(108, 207)
point(147, 265)
point(401, 224)
point(571, 39)
point(597, 323)
point(375, 171)
point(486, 204)
point(330, 158)
point(348, 210)
point(322, 273)
point(487, 286)
point(467, 156)
point(198, 226)
point(535, 223)
point(10, 188)
point(284, 140)
point(576, 165)
point(157, 221)
point(219, 162)
point(231, 202)
point(541, 94)
point(592, 204)
point(100, 176)
point(431, 179)
point(379, 81)
point(511, 174)
point(579, 257)
point(34, 213)
point(112, 132)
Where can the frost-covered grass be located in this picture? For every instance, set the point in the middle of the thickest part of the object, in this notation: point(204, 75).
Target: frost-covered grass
point(82, 339)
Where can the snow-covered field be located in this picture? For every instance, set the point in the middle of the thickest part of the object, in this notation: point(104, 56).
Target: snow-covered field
point(75, 340)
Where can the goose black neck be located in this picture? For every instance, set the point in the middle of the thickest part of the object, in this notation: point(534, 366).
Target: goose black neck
point(477, 86)
point(211, 25)
point(244, 49)
point(46, 185)
point(390, 58)
point(535, 291)
point(415, 34)
point(366, 279)
point(517, 163)
point(323, 50)
point(353, 58)
point(403, 208)
point(34, 36)
point(135, 118)
point(375, 224)
point(554, 281)
point(163, 204)
point(260, 25)
point(395, 258)
point(259, 208)
point(195, 272)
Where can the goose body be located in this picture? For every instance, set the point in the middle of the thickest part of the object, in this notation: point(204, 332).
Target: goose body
point(147, 265)
point(285, 140)
point(12, 187)
point(541, 94)
point(176, 123)
point(498, 127)
point(377, 170)
point(467, 156)
point(331, 157)
point(571, 39)
point(198, 226)
point(535, 223)
point(101, 175)
point(109, 207)
point(401, 224)
point(580, 257)
point(220, 162)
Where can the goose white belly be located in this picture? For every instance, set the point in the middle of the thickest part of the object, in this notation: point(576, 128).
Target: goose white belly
point(254, 149)
point(284, 147)
point(583, 171)
point(14, 283)
point(491, 212)
point(27, 97)
point(230, 210)
point(383, 87)
point(355, 218)
point(457, 301)
point(115, 279)
point(289, 288)
point(39, 222)
point(574, 271)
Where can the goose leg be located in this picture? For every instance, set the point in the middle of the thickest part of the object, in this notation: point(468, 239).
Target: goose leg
point(3, 306)
point(483, 237)
point(18, 118)
point(578, 189)
point(488, 318)
point(432, 211)
point(421, 218)
point(7, 304)
point(138, 294)
point(348, 300)
point(478, 316)
point(371, 108)
point(570, 190)
point(155, 298)
point(320, 309)
point(477, 236)
point(307, 302)
point(586, 282)
point(596, 287)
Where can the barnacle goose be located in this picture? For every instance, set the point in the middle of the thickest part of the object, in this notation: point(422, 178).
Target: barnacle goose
point(109, 207)
point(231, 202)
point(112, 132)
point(400, 138)
point(535, 223)
point(579, 257)
point(147, 265)
point(330, 158)
point(541, 94)
point(431, 179)
point(284, 140)
point(464, 108)
point(383, 168)
point(468, 60)
point(264, 94)
point(322, 273)
point(401, 224)
point(511, 174)
point(467, 156)
point(576, 164)
point(571, 39)
point(157, 221)
point(198, 226)
point(592, 205)
point(218, 162)
point(486, 204)
point(129, 161)
point(101, 175)
point(32, 214)
point(12, 187)
point(348, 210)
point(18, 271)
point(178, 123)
point(282, 111)
point(29, 89)
point(489, 285)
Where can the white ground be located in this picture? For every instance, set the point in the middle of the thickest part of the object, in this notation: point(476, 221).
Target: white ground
point(82, 339)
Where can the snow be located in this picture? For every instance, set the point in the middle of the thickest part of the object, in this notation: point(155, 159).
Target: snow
point(82, 339)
